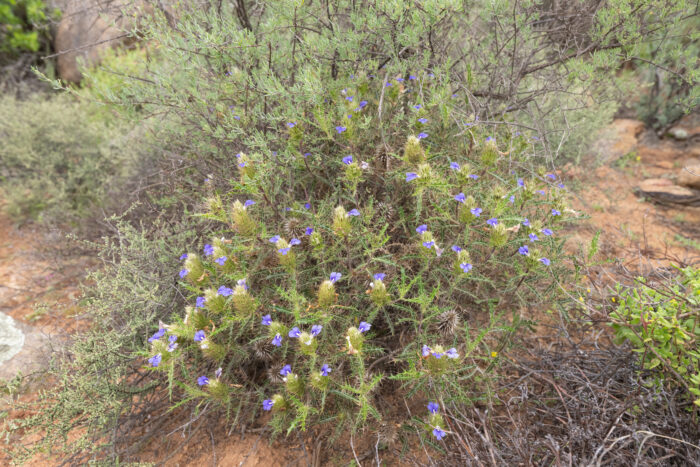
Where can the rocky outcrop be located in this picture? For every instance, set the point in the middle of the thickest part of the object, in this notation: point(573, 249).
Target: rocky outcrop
point(663, 190)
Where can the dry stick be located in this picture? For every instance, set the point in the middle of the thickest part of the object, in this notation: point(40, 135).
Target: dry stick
point(87, 46)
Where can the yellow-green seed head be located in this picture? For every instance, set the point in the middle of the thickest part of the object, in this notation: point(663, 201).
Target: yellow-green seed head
point(319, 381)
point(218, 390)
point(464, 213)
point(355, 340)
point(245, 167)
point(214, 302)
point(341, 222)
point(307, 343)
point(242, 221)
point(499, 236)
point(378, 293)
point(195, 269)
point(436, 365)
point(243, 303)
point(326, 294)
point(316, 240)
point(489, 152)
point(294, 384)
point(413, 152)
point(279, 404)
point(212, 350)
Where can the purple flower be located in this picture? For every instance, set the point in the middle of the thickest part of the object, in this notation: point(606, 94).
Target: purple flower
point(490, 138)
point(422, 229)
point(411, 176)
point(158, 334)
point(172, 346)
point(242, 164)
point(307, 154)
point(547, 232)
point(172, 339)
point(540, 192)
point(295, 332)
point(220, 261)
point(266, 320)
point(399, 80)
point(425, 351)
point(456, 248)
point(429, 244)
point(199, 336)
point(555, 212)
point(287, 369)
point(224, 291)
point(417, 106)
point(526, 222)
point(284, 251)
point(267, 404)
point(307, 206)
point(242, 283)
point(309, 230)
point(452, 353)
point(493, 222)
point(411, 77)
point(325, 370)
point(202, 380)
point(533, 237)
point(364, 326)
point(438, 355)
point(521, 182)
point(423, 120)
point(551, 176)
point(183, 273)
point(474, 176)
point(512, 199)
point(236, 117)
point(438, 433)
point(184, 256)
point(363, 104)
point(294, 241)
point(524, 250)
point(277, 341)
point(545, 261)
point(431, 75)
point(200, 302)
point(379, 276)
point(387, 85)
point(422, 135)
point(349, 98)
point(454, 166)
point(155, 360)
point(460, 197)
point(291, 124)
point(275, 239)
point(466, 267)
point(433, 407)
point(335, 276)
point(248, 202)
point(354, 213)
point(316, 329)
point(561, 185)
point(476, 212)
point(340, 129)
point(349, 116)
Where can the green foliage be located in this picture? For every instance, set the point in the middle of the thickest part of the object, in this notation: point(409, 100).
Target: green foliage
point(21, 22)
point(59, 160)
point(99, 383)
point(660, 321)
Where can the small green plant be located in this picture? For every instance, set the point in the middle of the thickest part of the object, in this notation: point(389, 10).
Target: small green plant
point(661, 324)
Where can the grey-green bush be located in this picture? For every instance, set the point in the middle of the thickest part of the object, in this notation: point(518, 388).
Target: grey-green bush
point(60, 158)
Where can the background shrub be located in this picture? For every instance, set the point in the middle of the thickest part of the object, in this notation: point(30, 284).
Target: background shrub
point(660, 321)
point(59, 159)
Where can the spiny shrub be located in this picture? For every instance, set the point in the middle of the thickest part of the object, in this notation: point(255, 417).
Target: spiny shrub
point(336, 269)
point(660, 321)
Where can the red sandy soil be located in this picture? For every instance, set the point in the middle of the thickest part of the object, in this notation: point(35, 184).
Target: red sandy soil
point(640, 233)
